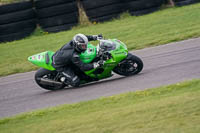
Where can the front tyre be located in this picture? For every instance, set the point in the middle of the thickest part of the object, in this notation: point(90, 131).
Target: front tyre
point(47, 75)
point(130, 66)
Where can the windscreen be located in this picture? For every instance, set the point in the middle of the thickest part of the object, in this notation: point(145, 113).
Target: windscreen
point(107, 45)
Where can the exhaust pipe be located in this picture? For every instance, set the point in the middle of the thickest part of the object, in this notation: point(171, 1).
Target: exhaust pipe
point(50, 82)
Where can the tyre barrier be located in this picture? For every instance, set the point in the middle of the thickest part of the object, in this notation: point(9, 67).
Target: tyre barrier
point(17, 21)
point(92, 4)
point(56, 15)
point(47, 3)
point(104, 18)
point(17, 16)
point(105, 13)
point(141, 7)
point(185, 2)
point(144, 11)
point(16, 36)
point(102, 10)
point(9, 8)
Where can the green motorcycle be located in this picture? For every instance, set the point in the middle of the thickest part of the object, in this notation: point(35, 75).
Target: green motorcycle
point(113, 52)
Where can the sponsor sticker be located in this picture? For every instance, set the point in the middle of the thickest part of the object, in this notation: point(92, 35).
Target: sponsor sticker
point(39, 57)
point(33, 58)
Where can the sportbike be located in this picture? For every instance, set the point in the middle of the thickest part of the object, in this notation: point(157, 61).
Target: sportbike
point(112, 52)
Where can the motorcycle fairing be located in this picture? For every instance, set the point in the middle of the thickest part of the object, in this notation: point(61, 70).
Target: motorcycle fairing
point(43, 60)
point(89, 55)
point(118, 54)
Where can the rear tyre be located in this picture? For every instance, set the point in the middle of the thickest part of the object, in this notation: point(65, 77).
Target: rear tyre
point(46, 74)
point(132, 65)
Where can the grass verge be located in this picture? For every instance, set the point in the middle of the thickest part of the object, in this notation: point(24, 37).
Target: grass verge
point(158, 28)
point(174, 109)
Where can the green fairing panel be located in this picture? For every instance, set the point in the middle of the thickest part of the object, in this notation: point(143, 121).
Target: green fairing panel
point(118, 54)
point(108, 67)
point(43, 60)
point(89, 55)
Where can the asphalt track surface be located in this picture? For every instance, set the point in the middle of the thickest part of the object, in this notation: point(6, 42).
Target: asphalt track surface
point(163, 65)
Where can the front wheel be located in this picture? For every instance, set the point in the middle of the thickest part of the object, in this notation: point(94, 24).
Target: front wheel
point(130, 66)
point(45, 79)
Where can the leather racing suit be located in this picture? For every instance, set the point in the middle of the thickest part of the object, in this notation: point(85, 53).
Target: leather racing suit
point(68, 57)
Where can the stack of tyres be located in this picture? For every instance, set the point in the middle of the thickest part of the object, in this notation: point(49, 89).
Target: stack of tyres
point(56, 15)
point(141, 7)
point(185, 2)
point(16, 21)
point(102, 10)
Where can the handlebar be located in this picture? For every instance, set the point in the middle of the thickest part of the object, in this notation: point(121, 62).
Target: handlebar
point(100, 38)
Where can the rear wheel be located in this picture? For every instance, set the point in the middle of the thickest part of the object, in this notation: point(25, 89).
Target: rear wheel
point(130, 66)
point(42, 74)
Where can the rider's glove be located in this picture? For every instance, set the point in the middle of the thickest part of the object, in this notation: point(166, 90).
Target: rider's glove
point(107, 56)
point(98, 64)
point(100, 36)
point(95, 37)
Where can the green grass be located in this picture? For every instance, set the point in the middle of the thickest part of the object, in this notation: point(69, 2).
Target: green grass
point(171, 109)
point(168, 25)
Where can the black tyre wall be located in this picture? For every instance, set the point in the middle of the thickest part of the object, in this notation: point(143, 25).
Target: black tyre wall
point(55, 16)
point(104, 18)
point(59, 20)
point(144, 11)
point(192, 1)
point(140, 7)
point(17, 26)
point(17, 21)
point(48, 3)
point(92, 4)
point(102, 10)
point(57, 10)
point(10, 8)
point(185, 2)
point(59, 27)
point(17, 16)
point(143, 4)
point(16, 36)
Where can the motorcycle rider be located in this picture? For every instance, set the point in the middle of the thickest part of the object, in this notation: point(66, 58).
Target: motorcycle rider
point(68, 56)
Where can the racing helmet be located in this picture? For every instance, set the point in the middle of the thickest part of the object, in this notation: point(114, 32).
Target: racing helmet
point(80, 42)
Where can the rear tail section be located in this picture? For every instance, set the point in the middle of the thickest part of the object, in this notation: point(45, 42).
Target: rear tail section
point(43, 60)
